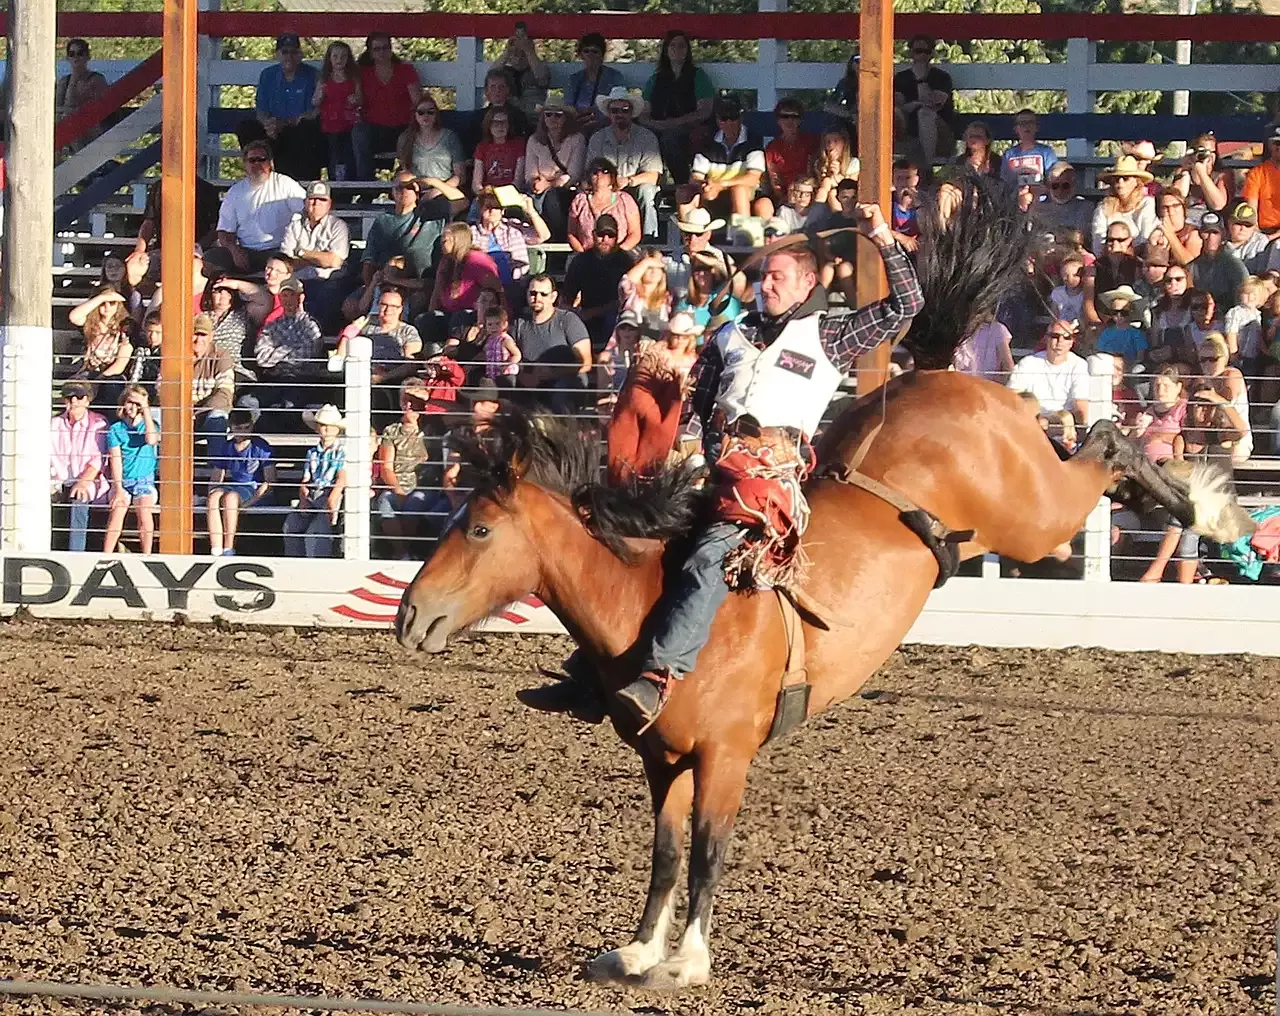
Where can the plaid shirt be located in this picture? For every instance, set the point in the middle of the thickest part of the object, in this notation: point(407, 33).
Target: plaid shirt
point(322, 467)
point(289, 344)
point(844, 337)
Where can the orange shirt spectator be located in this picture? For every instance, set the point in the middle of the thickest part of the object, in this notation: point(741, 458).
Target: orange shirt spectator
point(1262, 185)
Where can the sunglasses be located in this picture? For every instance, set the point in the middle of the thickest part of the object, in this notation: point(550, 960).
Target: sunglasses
point(543, 294)
point(1118, 239)
point(553, 114)
point(1060, 335)
point(921, 52)
point(591, 51)
point(426, 112)
point(729, 117)
point(620, 111)
point(256, 158)
point(289, 51)
point(76, 398)
point(1062, 185)
point(790, 116)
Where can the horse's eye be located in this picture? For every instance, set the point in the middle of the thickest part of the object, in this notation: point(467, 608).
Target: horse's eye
point(480, 532)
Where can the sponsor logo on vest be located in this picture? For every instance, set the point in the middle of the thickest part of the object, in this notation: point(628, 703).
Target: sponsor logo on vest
point(797, 363)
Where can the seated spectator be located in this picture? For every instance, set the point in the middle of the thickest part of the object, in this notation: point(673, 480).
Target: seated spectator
point(429, 151)
point(1204, 184)
point(225, 304)
point(79, 88)
point(117, 275)
point(1216, 269)
point(463, 271)
point(409, 231)
point(285, 114)
point(1219, 406)
point(501, 354)
point(77, 444)
point(395, 343)
point(288, 351)
point(1183, 238)
point(1067, 298)
point(319, 244)
point(391, 93)
point(243, 474)
point(528, 75)
point(1202, 309)
point(466, 342)
point(255, 214)
point(591, 283)
point(834, 163)
point(505, 239)
point(486, 402)
point(705, 280)
point(800, 211)
point(1262, 185)
point(596, 78)
point(1027, 162)
point(1057, 377)
point(632, 149)
point(213, 379)
point(696, 226)
point(497, 96)
point(788, 156)
point(1117, 266)
point(680, 98)
point(842, 102)
point(106, 325)
point(601, 195)
point(261, 299)
point(1126, 201)
point(145, 257)
point(1121, 307)
point(644, 289)
point(405, 473)
point(1246, 241)
point(977, 157)
point(1170, 339)
point(1062, 208)
point(443, 378)
point(985, 351)
point(923, 103)
point(553, 163)
point(847, 215)
point(308, 531)
point(339, 103)
point(1242, 326)
point(1155, 265)
point(132, 457)
point(904, 214)
point(144, 368)
point(555, 349)
point(499, 157)
point(729, 168)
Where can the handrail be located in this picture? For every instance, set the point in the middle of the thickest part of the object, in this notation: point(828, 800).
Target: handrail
point(143, 76)
point(1239, 28)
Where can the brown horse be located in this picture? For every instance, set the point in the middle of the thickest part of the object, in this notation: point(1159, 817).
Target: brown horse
point(964, 449)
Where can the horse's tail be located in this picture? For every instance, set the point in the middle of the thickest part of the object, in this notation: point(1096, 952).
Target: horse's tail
point(1218, 514)
point(973, 254)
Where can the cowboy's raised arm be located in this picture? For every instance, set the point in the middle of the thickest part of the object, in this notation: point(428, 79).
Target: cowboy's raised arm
point(845, 337)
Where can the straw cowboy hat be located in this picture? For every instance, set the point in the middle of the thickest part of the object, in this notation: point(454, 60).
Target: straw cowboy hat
point(622, 94)
point(1126, 165)
point(682, 323)
point(698, 220)
point(1123, 295)
point(553, 101)
point(326, 416)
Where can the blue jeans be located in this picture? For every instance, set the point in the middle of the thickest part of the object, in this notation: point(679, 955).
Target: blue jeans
point(684, 616)
point(646, 195)
point(308, 531)
point(77, 518)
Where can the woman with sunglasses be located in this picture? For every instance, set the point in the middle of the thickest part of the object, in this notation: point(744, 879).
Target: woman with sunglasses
point(79, 88)
point(922, 97)
point(1220, 405)
point(553, 161)
point(430, 152)
point(132, 457)
point(601, 195)
point(788, 155)
point(392, 92)
point(1169, 338)
point(1126, 201)
point(1183, 238)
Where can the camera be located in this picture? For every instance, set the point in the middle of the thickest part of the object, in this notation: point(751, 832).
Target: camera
point(1204, 154)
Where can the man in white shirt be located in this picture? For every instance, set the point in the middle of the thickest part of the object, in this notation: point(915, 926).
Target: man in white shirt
point(254, 215)
point(1057, 377)
point(730, 167)
point(319, 243)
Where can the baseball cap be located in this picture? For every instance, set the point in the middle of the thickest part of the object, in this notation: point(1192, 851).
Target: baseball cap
point(727, 107)
point(202, 325)
point(76, 390)
point(629, 317)
point(319, 189)
point(1274, 133)
point(1243, 212)
point(288, 40)
point(1211, 222)
point(293, 284)
point(606, 225)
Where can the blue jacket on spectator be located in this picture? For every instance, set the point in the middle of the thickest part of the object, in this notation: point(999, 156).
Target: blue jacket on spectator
point(283, 99)
point(584, 98)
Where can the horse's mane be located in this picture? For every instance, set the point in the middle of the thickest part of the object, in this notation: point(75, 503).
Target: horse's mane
point(565, 457)
point(968, 266)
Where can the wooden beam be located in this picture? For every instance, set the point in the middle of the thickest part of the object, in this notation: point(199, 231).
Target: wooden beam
point(875, 151)
point(178, 166)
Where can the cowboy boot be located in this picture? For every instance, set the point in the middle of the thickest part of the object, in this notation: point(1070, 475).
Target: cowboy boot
point(646, 695)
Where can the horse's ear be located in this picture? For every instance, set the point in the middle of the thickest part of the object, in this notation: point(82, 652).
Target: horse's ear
point(519, 463)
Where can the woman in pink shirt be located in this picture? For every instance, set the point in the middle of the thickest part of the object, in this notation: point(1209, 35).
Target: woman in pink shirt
point(462, 272)
point(600, 195)
point(985, 353)
point(391, 92)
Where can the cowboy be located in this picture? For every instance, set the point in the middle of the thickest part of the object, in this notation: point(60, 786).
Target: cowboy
point(760, 388)
point(633, 149)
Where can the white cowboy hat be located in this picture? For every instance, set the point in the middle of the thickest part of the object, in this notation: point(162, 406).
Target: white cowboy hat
point(622, 94)
point(698, 220)
point(326, 416)
point(682, 323)
point(1132, 300)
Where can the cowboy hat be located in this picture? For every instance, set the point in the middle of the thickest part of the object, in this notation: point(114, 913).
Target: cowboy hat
point(1126, 165)
point(326, 416)
point(484, 390)
point(698, 220)
point(554, 101)
point(623, 94)
point(682, 323)
point(1132, 301)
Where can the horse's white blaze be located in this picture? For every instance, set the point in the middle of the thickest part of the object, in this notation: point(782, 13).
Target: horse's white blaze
point(636, 957)
point(689, 964)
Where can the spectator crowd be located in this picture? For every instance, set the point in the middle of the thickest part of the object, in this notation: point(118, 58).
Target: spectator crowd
point(532, 250)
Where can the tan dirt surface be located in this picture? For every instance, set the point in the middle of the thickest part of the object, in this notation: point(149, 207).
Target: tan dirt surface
point(1074, 833)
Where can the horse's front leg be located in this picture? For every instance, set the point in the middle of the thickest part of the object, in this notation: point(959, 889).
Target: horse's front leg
point(719, 782)
point(672, 790)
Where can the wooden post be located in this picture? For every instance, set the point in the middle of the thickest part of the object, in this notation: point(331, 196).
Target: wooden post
point(27, 340)
point(875, 151)
point(177, 175)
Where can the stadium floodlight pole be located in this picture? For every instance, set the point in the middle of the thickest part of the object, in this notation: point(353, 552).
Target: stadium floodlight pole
point(26, 341)
point(177, 218)
point(875, 152)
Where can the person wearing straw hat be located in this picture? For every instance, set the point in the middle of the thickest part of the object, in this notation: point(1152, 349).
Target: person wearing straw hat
point(1126, 201)
point(553, 161)
point(696, 226)
point(308, 531)
point(1121, 308)
point(632, 149)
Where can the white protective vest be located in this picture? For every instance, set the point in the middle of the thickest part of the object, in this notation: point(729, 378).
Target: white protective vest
point(787, 384)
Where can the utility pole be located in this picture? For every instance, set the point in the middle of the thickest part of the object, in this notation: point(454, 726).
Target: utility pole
point(26, 345)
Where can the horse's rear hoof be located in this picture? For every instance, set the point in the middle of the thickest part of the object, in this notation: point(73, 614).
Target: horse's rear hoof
point(676, 973)
point(623, 966)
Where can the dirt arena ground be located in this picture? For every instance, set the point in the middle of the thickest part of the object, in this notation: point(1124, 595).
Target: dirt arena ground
point(982, 832)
